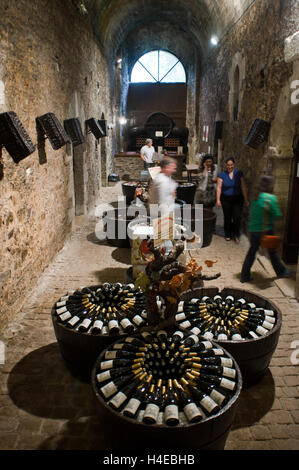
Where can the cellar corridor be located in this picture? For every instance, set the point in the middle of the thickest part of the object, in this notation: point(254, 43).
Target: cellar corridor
point(42, 406)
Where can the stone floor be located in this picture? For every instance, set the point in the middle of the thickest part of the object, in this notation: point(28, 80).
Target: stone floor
point(42, 406)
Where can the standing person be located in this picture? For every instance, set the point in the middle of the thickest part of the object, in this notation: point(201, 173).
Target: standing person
point(264, 211)
point(146, 153)
point(206, 189)
point(231, 194)
point(163, 188)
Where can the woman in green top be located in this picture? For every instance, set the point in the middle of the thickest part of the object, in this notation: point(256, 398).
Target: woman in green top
point(264, 211)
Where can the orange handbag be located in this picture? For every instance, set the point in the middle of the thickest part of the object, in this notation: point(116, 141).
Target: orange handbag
point(270, 242)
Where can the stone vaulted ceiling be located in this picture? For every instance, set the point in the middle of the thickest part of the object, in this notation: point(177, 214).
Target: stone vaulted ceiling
point(113, 20)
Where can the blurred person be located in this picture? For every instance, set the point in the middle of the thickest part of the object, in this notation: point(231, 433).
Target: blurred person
point(163, 187)
point(264, 211)
point(231, 194)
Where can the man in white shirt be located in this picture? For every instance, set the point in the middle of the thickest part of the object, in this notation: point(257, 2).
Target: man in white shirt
point(163, 188)
point(146, 153)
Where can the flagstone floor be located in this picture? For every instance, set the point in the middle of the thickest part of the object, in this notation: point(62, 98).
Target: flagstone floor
point(42, 406)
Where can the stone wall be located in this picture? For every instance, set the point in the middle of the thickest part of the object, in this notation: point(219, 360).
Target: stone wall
point(128, 168)
point(49, 63)
point(256, 45)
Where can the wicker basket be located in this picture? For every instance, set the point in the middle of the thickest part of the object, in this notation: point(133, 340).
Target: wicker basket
point(53, 130)
point(14, 137)
point(73, 129)
point(258, 133)
point(95, 128)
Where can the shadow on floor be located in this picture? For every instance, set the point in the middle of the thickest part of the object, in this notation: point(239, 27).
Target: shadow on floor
point(122, 255)
point(258, 280)
point(91, 237)
point(41, 385)
point(255, 402)
point(111, 275)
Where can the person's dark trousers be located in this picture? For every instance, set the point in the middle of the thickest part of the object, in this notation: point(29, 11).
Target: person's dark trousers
point(255, 240)
point(232, 211)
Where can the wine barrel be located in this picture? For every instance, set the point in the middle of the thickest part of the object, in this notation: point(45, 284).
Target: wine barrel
point(116, 227)
point(125, 433)
point(79, 350)
point(253, 355)
point(129, 188)
point(186, 191)
point(197, 219)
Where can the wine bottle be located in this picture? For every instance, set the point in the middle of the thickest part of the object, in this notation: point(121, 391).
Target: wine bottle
point(114, 385)
point(216, 360)
point(191, 410)
point(215, 369)
point(204, 400)
point(228, 303)
point(135, 341)
point(122, 354)
point(222, 332)
point(160, 418)
point(234, 334)
point(119, 363)
point(112, 373)
point(171, 411)
point(124, 394)
point(162, 336)
point(216, 380)
point(86, 323)
point(137, 398)
point(113, 324)
point(202, 346)
point(218, 300)
point(190, 341)
point(128, 347)
point(152, 404)
point(74, 320)
point(176, 339)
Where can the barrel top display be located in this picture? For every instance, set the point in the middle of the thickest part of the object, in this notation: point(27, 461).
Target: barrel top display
point(166, 380)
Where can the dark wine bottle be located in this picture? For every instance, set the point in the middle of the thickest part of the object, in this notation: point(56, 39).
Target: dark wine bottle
point(123, 354)
point(191, 410)
point(112, 374)
point(114, 385)
point(153, 403)
point(204, 401)
point(119, 363)
point(216, 380)
point(171, 411)
point(137, 399)
point(124, 394)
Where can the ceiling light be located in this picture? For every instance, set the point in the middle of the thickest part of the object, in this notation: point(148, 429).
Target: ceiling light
point(214, 40)
point(122, 120)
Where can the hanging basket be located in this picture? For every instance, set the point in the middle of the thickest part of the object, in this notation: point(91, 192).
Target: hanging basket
point(73, 129)
point(53, 130)
point(14, 137)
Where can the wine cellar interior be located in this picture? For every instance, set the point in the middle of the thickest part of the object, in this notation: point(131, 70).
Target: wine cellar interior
point(73, 118)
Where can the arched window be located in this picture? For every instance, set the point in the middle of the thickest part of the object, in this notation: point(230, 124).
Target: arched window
point(158, 66)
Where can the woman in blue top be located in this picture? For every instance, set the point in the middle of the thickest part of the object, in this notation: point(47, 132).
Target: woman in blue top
point(231, 194)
